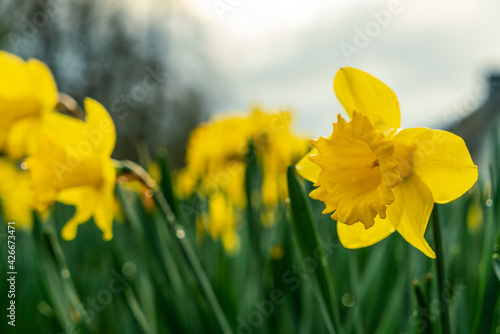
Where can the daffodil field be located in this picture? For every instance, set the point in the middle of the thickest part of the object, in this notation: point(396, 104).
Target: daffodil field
point(368, 229)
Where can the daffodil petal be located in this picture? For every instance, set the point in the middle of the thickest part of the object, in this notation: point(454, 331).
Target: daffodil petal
point(16, 197)
point(103, 216)
point(43, 83)
point(308, 169)
point(356, 236)
point(414, 202)
point(67, 131)
point(13, 83)
point(441, 160)
point(100, 127)
point(358, 90)
point(27, 92)
point(231, 241)
point(84, 199)
point(20, 138)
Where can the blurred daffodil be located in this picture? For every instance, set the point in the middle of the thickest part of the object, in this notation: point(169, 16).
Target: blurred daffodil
point(377, 178)
point(217, 157)
point(222, 222)
point(185, 183)
point(28, 92)
point(277, 147)
point(16, 195)
point(72, 165)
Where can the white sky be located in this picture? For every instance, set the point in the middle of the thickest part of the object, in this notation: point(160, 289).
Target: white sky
point(434, 55)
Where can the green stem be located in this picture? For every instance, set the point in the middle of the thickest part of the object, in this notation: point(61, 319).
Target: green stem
point(183, 242)
point(193, 262)
point(438, 244)
point(423, 307)
point(353, 271)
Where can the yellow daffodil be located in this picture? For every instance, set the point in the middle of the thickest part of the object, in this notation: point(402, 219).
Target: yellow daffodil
point(277, 148)
point(185, 183)
point(221, 222)
point(377, 178)
point(72, 165)
point(216, 144)
point(217, 159)
point(16, 195)
point(27, 93)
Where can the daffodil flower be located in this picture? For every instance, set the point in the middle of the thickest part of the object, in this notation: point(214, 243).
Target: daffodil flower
point(73, 165)
point(217, 159)
point(377, 178)
point(27, 93)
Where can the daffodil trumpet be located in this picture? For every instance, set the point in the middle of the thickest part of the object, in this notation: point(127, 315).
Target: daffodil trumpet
point(376, 178)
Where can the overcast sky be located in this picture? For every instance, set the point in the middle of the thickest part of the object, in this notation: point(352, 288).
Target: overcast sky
point(434, 55)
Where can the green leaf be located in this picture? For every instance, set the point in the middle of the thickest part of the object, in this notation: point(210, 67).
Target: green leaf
point(166, 183)
point(422, 313)
point(496, 265)
point(311, 250)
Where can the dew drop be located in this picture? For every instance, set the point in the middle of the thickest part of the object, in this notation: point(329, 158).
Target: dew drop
point(348, 300)
point(489, 202)
point(65, 273)
point(287, 200)
point(129, 268)
point(180, 234)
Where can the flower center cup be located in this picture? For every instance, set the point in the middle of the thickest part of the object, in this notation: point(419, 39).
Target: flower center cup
point(358, 171)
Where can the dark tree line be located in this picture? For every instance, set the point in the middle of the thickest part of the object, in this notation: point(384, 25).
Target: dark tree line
point(136, 65)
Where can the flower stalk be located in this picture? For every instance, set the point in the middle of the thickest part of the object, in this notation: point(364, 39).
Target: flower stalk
point(129, 167)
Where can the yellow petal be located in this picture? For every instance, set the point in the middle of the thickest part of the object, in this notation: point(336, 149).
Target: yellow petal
point(103, 216)
point(27, 92)
point(16, 197)
point(356, 236)
point(231, 242)
point(441, 160)
point(53, 169)
point(100, 129)
point(44, 85)
point(220, 214)
point(13, 83)
point(31, 79)
point(20, 137)
point(96, 134)
point(357, 90)
point(414, 203)
point(308, 169)
point(67, 131)
point(84, 199)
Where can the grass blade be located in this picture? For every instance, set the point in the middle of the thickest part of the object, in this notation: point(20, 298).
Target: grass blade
point(310, 248)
